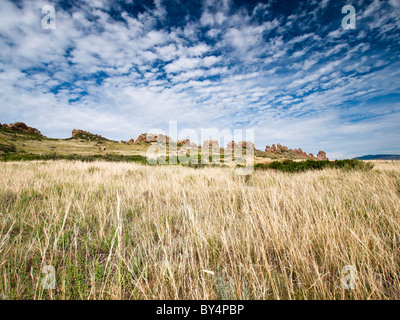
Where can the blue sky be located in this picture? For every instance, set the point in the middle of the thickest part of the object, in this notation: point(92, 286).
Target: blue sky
point(285, 68)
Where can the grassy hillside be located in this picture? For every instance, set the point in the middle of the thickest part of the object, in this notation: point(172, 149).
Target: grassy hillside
point(15, 145)
point(31, 143)
point(128, 231)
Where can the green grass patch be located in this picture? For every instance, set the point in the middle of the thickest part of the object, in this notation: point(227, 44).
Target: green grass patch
point(15, 134)
point(301, 166)
point(76, 157)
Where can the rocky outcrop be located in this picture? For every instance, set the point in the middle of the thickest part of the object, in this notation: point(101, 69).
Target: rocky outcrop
point(231, 145)
point(152, 137)
point(241, 144)
point(298, 152)
point(280, 148)
point(210, 144)
point(131, 141)
point(321, 156)
point(245, 145)
point(78, 132)
point(22, 127)
point(183, 142)
point(86, 135)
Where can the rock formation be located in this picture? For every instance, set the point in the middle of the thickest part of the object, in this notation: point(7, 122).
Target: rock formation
point(22, 127)
point(299, 152)
point(231, 145)
point(321, 156)
point(77, 132)
point(152, 137)
point(241, 144)
point(182, 142)
point(86, 135)
point(245, 145)
point(210, 144)
point(131, 141)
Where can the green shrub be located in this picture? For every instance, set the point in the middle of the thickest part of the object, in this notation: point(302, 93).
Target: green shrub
point(7, 148)
point(301, 166)
point(83, 158)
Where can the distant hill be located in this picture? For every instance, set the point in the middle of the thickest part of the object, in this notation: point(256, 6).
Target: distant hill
point(19, 141)
point(380, 157)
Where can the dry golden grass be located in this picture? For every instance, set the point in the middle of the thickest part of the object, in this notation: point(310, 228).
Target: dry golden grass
point(127, 231)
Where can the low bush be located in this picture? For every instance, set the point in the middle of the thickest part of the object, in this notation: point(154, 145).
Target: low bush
point(7, 148)
point(301, 166)
point(83, 158)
